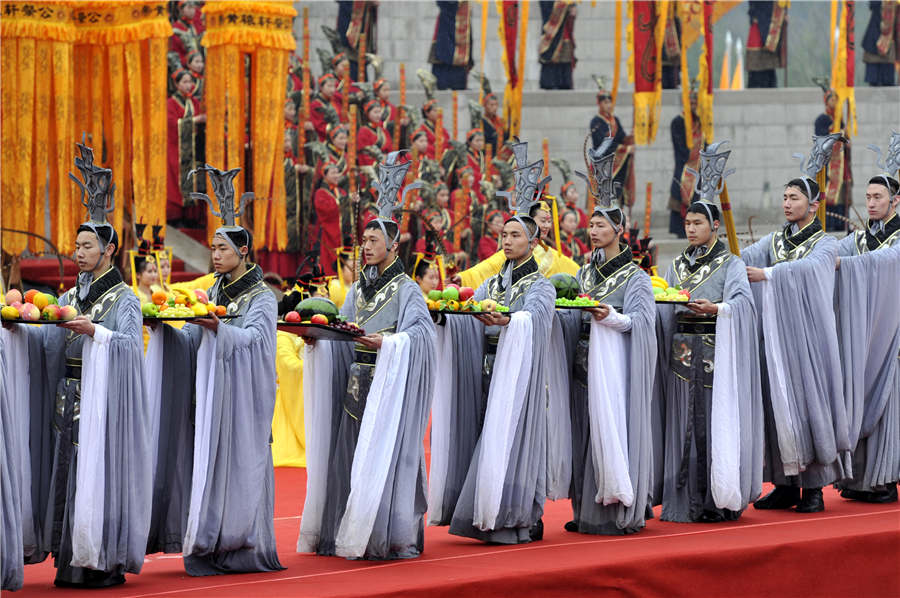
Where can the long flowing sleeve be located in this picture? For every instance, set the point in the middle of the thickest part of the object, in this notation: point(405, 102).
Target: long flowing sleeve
point(114, 475)
point(803, 360)
point(232, 500)
point(736, 418)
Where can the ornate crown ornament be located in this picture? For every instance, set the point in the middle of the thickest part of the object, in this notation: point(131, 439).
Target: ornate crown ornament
point(97, 190)
point(890, 163)
point(820, 153)
point(390, 179)
point(223, 189)
point(710, 181)
point(599, 178)
point(527, 179)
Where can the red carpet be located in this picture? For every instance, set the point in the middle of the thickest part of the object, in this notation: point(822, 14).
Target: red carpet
point(849, 551)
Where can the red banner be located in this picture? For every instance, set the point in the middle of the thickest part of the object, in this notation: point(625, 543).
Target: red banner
point(644, 45)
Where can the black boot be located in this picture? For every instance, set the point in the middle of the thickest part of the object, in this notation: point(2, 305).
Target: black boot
point(874, 496)
point(537, 531)
point(812, 501)
point(571, 526)
point(782, 497)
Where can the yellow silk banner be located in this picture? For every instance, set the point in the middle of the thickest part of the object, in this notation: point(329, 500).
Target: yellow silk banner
point(258, 34)
point(73, 71)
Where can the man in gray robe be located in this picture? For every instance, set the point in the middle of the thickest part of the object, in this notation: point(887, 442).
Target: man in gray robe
point(89, 505)
point(502, 498)
point(868, 321)
point(224, 500)
point(611, 488)
point(713, 439)
point(792, 276)
point(366, 407)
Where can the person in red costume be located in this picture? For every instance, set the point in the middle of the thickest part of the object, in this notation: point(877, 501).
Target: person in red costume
point(326, 97)
point(489, 244)
point(430, 111)
point(569, 194)
point(196, 65)
point(186, 34)
point(475, 154)
point(391, 114)
point(372, 140)
point(327, 201)
point(572, 246)
point(182, 110)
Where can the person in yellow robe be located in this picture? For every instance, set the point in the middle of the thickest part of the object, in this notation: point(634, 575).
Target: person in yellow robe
point(288, 432)
point(549, 260)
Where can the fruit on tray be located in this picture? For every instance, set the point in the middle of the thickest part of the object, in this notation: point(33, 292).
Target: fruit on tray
point(579, 301)
point(292, 317)
point(672, 294)
point(566, 286)
point(318, 305)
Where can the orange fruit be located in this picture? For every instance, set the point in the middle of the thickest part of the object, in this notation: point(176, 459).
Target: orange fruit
point(159, 297)
point(29, 295)
point(179, 299)
point(221, 310)
point(163, 307)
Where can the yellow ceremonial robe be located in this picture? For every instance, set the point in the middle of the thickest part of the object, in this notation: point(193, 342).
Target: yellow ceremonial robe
point(288, 433)
point(549, 261)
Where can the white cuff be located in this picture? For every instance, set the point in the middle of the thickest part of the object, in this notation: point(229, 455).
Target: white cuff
point(102, 335)
point(767, 272)
point(617, 321)
point(724, 309)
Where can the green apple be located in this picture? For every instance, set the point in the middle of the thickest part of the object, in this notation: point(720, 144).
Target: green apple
point(435, 295)
point(450, 294)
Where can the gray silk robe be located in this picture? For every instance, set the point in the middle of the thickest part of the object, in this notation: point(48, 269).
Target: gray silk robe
point(807, 433)
point(621, 284)
point(869, 333)
point(223, 499)
point(390, 305)
point(121, 433)
point(695, 359)
point(523, 490)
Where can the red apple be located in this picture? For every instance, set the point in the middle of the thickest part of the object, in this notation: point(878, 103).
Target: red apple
point(30, 312)
point(18, 305)
point(455, 286)
point(318, 319)
point(201, 296)
point(67, 312)
point(466, 293)
point(50, 313)
point(13, 296)
point(291, 316)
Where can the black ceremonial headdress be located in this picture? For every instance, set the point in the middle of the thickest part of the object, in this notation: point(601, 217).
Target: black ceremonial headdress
point(600, 182)
point(223, 188)
point(710, 181)
point(527, 184)
point(98, 196)
point(818, 157)
point(390, 179)
point(889, 164)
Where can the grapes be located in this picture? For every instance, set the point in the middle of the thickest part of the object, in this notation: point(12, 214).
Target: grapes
point(577, 302)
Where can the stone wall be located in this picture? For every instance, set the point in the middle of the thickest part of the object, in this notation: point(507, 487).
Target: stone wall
point(764, 126)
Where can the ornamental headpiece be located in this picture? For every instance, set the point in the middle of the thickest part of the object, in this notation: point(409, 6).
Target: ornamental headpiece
point(890, 164)
point(709, 182)
point(390, 179)
point(600, 180)
point(97, 190)
point(528, 181)
point(223, 189)
point(820, 153)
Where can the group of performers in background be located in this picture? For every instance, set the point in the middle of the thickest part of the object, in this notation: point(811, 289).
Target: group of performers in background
point(327, 166)
point(784, 367)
